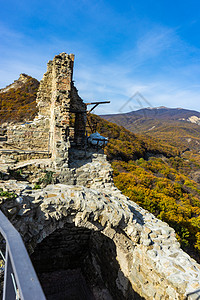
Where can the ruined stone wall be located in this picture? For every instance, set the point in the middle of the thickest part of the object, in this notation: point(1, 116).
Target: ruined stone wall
point(30, 136)
point(139, 254)
point(57, 99)
point(87, 169)
point(53, 100)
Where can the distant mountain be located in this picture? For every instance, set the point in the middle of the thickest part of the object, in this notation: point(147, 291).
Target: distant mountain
point(17, 100)
point(161, 113)
point(176, 126)
point(19, 83)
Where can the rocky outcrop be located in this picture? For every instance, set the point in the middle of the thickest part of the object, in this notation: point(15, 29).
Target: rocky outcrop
point(194, 119)
point(16, 84)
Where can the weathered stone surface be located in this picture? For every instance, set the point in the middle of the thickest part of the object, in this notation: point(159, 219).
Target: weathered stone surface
point(33, 135)
point(62, 114)
point(154, 271)
point(16, 84)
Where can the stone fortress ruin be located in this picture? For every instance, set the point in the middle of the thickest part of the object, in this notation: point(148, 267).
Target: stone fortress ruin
point(86, 239)
point(61, 120)
point(58, 132)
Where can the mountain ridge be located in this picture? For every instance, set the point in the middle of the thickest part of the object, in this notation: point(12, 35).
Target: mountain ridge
point(176, 126)
point(157, 112)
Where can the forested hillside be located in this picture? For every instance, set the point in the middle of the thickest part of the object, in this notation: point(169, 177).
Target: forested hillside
point(157, 186)
point(154, 174)
point(17, 101)
point(177, 127)
point(125, 145)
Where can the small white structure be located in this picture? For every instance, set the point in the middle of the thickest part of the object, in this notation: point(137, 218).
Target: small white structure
point(97, 139)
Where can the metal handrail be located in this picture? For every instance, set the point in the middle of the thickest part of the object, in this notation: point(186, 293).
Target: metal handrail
point(18, 266)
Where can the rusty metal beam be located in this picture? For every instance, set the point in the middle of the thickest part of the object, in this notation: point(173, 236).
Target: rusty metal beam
point(96, 104)
point(101, 102)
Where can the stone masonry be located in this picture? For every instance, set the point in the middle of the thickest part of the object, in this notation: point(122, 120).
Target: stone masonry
point(140, 256)
point(59, 131)
point(30, 136)
point(61, 121)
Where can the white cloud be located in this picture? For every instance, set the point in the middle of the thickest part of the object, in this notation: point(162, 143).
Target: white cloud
point(155, 42)
point(97, 78)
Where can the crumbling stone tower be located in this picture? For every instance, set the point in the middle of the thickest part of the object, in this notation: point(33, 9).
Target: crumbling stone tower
point(61, 122)
point(58, 100)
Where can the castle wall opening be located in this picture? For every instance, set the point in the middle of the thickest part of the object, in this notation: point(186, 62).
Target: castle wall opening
point(78, 263)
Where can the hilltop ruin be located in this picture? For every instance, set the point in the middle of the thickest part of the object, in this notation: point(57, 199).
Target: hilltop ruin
point(61, 121)
point(83, 222)
point(56, 140)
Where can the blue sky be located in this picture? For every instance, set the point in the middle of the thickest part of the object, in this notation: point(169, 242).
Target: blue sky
point(120, 47)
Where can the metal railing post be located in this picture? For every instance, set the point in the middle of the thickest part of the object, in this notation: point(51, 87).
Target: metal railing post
point(8, 288)
point(20, 279)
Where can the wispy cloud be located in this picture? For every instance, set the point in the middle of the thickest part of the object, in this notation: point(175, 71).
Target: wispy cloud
point(155, 42)
point(158, 64)
point(167, 83)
